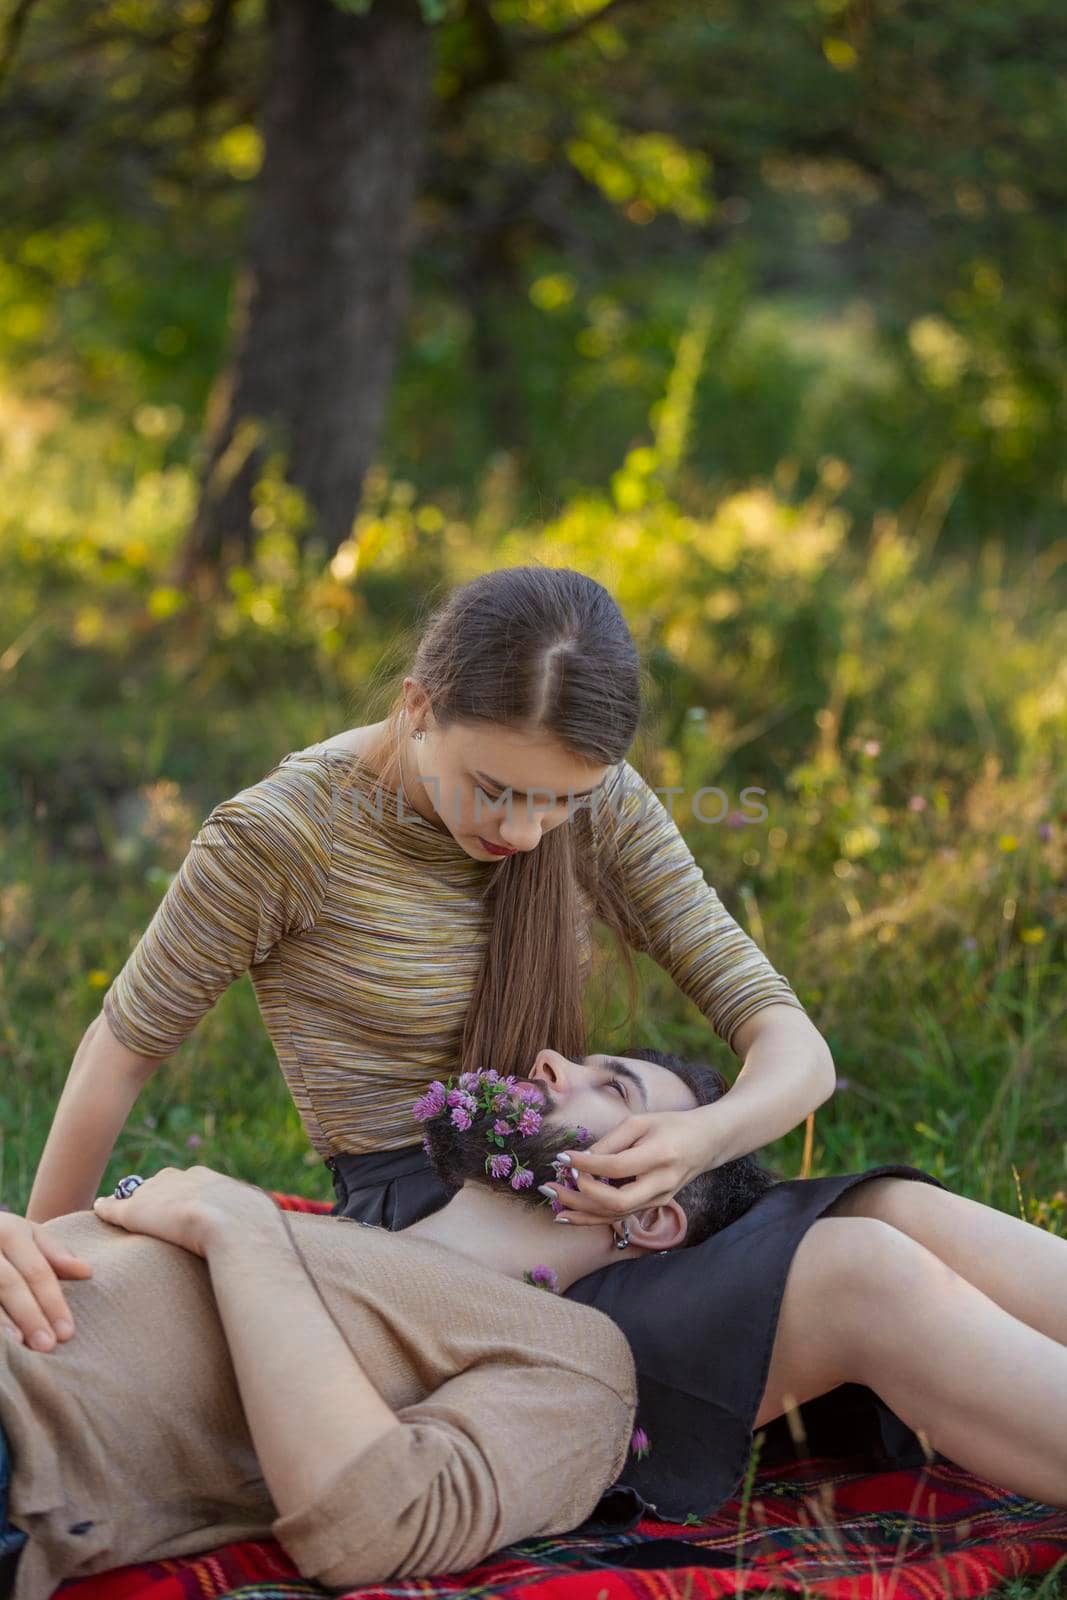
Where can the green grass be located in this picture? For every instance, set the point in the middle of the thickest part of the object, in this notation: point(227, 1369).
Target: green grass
point(906, 716)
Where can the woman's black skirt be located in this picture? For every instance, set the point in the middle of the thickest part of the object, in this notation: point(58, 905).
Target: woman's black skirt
point(701, 1324)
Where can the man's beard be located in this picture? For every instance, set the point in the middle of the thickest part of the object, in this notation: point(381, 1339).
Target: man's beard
point(459, 1155)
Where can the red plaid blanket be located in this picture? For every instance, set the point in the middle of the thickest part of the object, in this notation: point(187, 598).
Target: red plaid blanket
point(818, 1526)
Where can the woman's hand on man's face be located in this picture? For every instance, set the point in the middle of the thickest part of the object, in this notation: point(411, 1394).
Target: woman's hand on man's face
point(33, 1308)
point(651, 1155)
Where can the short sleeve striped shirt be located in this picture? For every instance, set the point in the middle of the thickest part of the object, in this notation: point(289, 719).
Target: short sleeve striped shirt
point(363, 926)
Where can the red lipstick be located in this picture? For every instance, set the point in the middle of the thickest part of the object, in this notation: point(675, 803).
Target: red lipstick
point(496, 849)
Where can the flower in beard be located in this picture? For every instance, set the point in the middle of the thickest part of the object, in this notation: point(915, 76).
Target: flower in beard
point(563, 1174)
point(491, 1130)
point(431, 1104)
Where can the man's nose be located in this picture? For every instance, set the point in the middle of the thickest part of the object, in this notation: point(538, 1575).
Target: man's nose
point(553, 1070)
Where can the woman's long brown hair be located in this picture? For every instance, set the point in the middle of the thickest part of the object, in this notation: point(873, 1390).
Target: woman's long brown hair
point(544, 650)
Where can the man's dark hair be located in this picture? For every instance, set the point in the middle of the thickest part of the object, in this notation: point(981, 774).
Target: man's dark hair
point(712, 1200)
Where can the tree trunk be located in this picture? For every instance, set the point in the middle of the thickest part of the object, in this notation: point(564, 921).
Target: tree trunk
point(492, 286)
point(321, 296)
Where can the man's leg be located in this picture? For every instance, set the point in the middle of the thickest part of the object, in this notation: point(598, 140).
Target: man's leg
point(1020, 1266)
point(864, 1303)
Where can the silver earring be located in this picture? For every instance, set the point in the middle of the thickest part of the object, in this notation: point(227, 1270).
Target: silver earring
point(417, 734)
point(624, 1242)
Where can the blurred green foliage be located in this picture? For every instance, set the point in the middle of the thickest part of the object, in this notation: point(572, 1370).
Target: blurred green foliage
point(879, 192)
point(902, 712)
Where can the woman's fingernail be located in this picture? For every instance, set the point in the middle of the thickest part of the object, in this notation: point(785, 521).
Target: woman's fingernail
point(547, 1190)
point(64, 1329)
point(562, 1219)
point(42, 1340)
point(566, 1156)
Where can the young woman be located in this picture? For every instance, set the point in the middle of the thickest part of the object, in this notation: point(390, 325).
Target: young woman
point(413, 898)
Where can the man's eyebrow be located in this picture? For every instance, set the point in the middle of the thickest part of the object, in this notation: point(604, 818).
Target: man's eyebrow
point(579, 794)
point(613, 1064)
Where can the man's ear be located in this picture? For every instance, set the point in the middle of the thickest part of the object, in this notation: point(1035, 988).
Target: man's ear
point(659, 1227)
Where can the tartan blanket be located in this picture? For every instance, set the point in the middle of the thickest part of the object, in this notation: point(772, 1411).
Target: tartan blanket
point(816, 1526)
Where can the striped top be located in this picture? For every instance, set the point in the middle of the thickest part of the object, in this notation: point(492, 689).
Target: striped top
point(362, 926)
